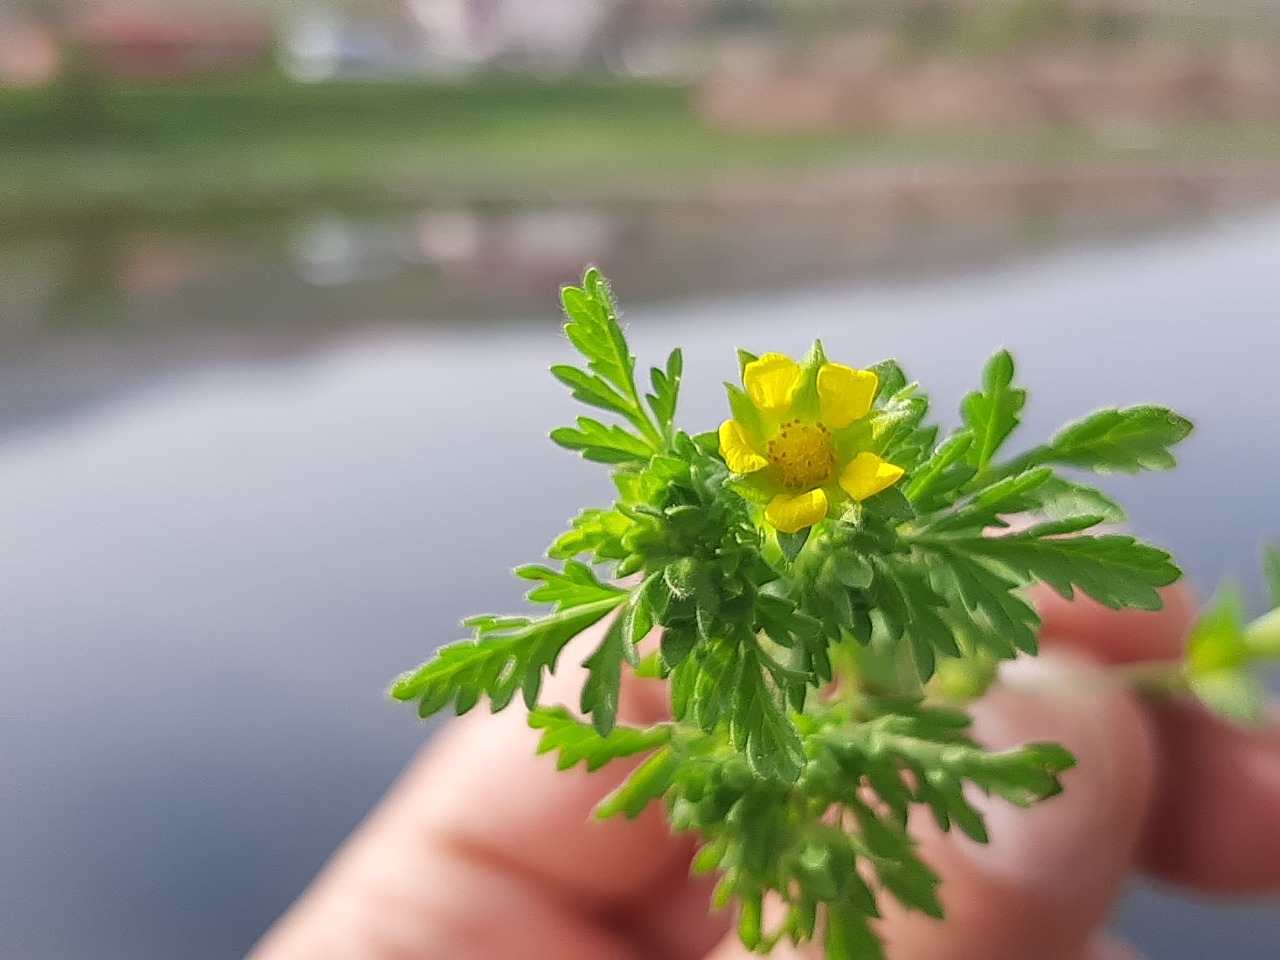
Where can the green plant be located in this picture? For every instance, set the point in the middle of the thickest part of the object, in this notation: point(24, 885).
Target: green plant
point(807, 579)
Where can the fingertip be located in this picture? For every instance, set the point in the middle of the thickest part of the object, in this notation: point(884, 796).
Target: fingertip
point(1214, 827)
point(1117, 636)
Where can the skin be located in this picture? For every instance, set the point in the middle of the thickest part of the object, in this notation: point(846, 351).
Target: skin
point(482, 850)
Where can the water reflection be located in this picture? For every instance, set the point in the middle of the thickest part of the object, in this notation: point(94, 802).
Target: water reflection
point(210, 579)
point(129, 269)
point(95, 302)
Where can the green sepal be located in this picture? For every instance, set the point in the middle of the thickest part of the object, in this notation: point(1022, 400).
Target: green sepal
point(890, 376)
point(792, 543)
point(744, 411)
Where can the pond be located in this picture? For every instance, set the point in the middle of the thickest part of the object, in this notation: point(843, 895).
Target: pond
point(226, 533)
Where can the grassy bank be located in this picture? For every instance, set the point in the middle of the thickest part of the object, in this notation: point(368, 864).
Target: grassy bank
point(267, 141)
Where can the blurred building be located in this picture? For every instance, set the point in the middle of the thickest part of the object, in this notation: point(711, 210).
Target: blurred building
point(444, 37)
point(135, 43)
point(129, 40)
point(441, 37)
point(551, 33)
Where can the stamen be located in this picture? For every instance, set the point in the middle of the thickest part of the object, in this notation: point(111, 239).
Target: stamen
point(803, 455)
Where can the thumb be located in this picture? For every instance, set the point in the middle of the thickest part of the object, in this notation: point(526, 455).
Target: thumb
point(1050, 875)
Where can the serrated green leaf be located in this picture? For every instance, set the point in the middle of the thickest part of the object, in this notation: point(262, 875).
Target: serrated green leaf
point(577, 742)
point(575, 585)
point(760, 728)
point(592, 390)
point(714, 676)
point(510, 656)
point(848, 936)
point(1117, 440)
point(930, 474)
point(648, 782)
point(666, 390)
point(1116, 570)
point(1059, 499)
point(988, 504)
point(603, 685)
point(751, 919)
point(592, 327)
point(611, 444)
point(1004, 621)
point(678, 641)
point(1022, 776)
point(598, 534)
point(992, 413)
point(931, 633)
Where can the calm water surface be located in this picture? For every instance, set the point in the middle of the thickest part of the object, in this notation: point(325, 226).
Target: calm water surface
point(213, 567)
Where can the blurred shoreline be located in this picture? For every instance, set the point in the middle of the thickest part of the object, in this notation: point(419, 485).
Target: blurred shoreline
point(267, 143)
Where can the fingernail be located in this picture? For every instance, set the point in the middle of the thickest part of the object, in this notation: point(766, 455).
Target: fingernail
point(1064, 845)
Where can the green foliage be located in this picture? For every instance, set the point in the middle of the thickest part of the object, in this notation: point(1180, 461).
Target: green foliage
point(805, 842)
point(576, 742)
point(609, 381)
point(1113, 440)
point(1115, 570)
point(798, 664)
point(992, 413)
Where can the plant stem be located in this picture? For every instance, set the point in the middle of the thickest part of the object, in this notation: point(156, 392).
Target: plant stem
point(1165, 678)
point(1263, 636)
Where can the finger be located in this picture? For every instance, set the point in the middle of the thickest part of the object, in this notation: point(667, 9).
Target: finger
point(478, 821)
point(1050, 875)
point(1213, 826)
point(1117, 636)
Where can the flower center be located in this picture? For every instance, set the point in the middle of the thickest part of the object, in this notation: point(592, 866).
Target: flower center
point(803, 455)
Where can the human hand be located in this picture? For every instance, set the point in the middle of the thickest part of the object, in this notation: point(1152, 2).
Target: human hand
point(484, 851)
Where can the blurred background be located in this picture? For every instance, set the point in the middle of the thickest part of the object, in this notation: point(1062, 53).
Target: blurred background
point(277, 296)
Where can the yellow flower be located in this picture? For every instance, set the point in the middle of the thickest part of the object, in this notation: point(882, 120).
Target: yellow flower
point(800, 436)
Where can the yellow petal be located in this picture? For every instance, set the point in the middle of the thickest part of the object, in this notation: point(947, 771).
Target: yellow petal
point(736, 448)
point(793, 512)
point(845, 393)
point(866, 475)
point(771, 382)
